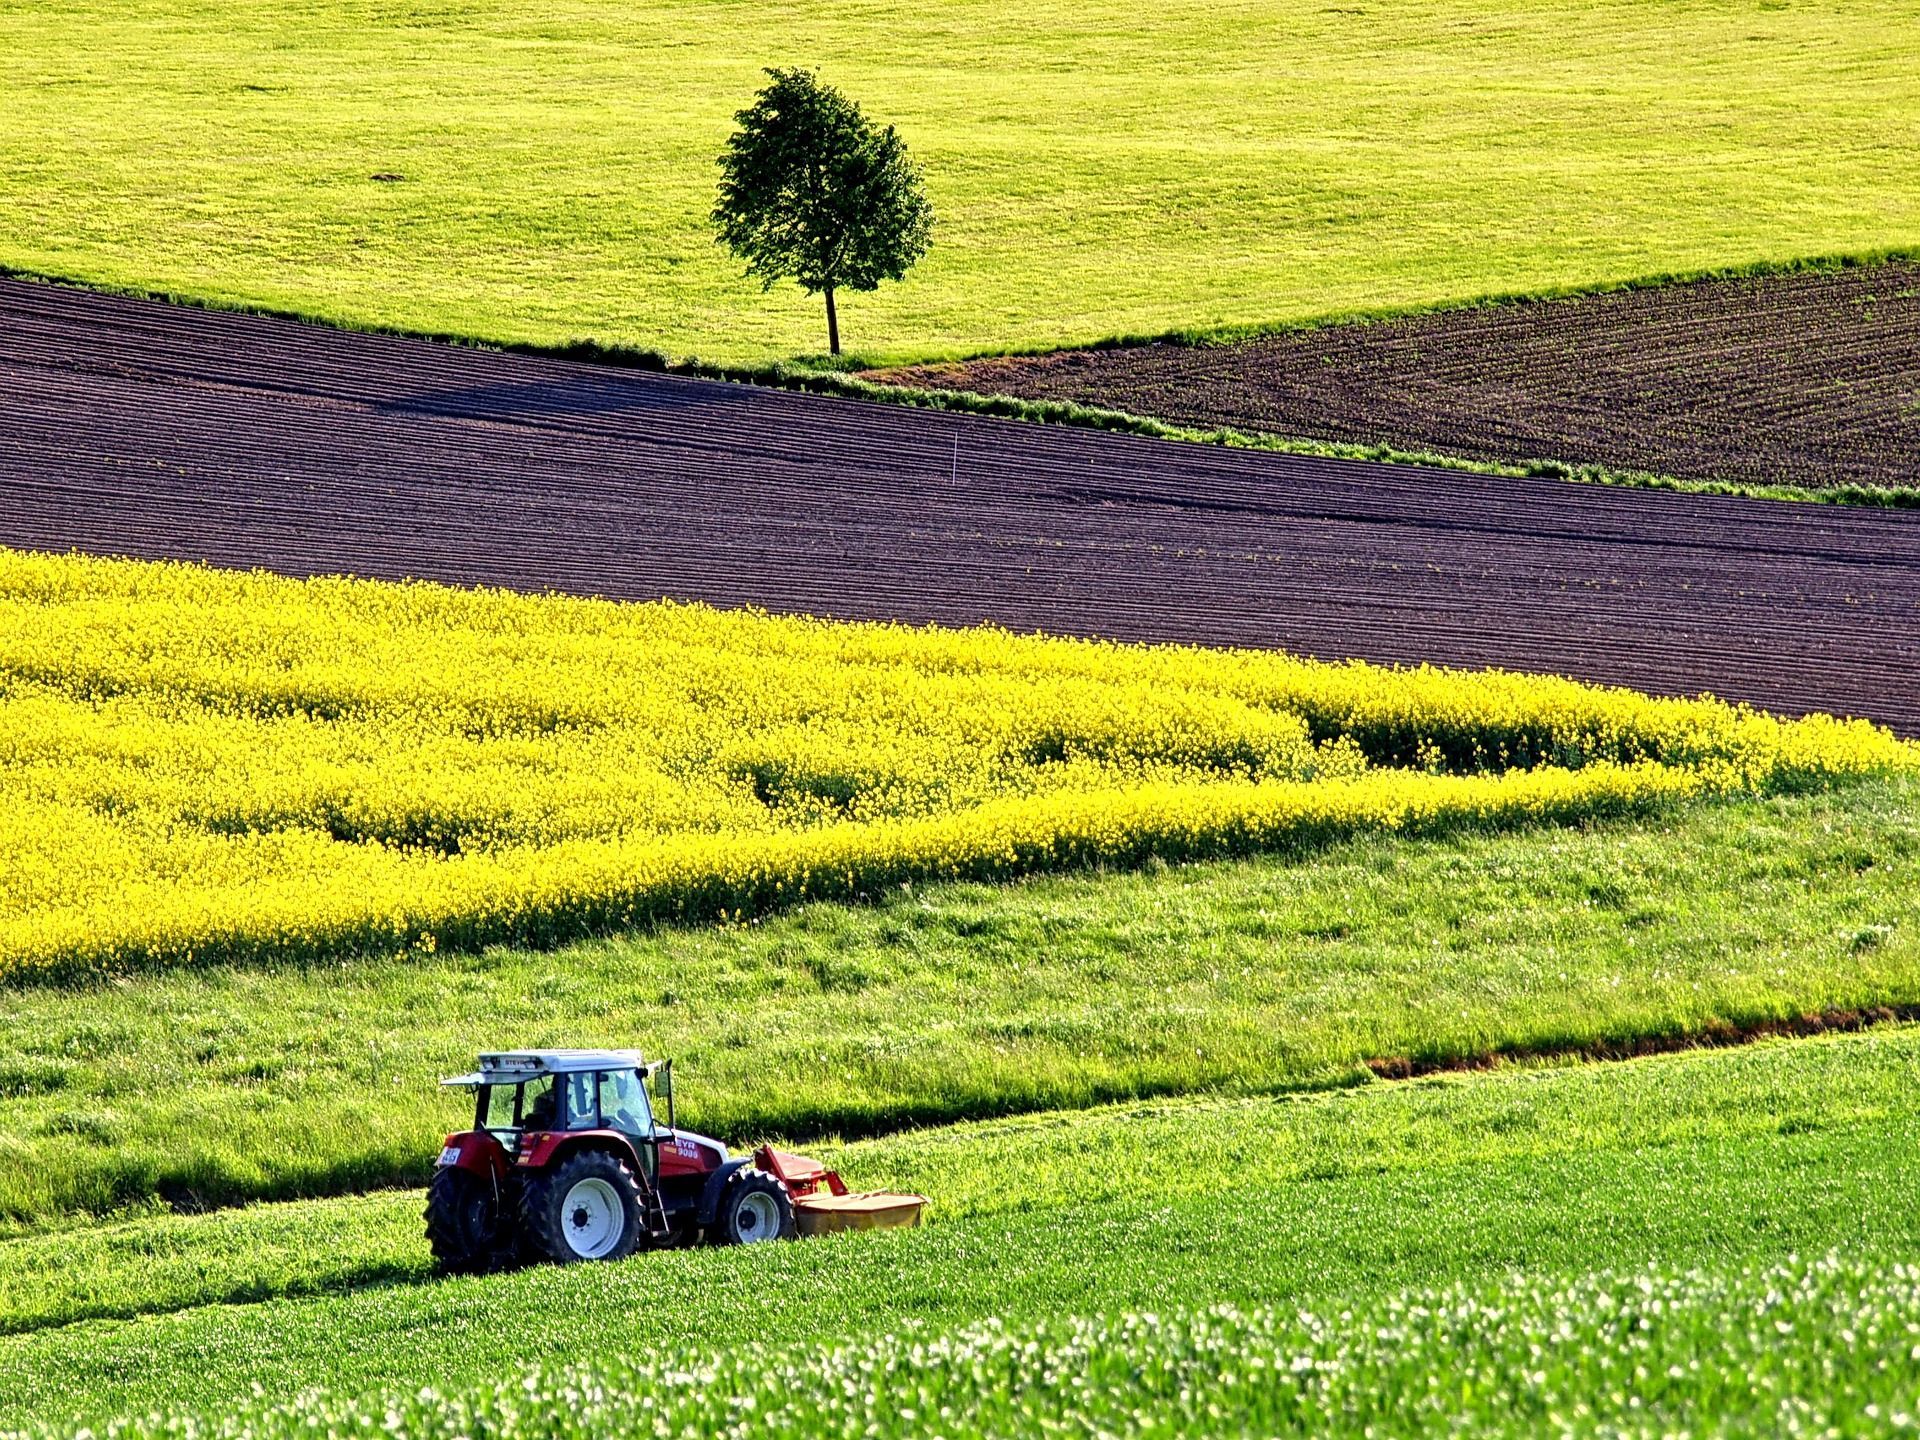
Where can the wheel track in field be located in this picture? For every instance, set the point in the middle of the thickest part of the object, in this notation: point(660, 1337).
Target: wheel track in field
point(141, 429)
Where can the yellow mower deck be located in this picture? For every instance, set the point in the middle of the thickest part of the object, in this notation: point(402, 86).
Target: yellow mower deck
point(870, 1210)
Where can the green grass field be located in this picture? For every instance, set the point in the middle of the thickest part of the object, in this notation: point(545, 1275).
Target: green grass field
point(1817, 1347)
point(961, 1001)
point(1256, 1164)
point(1099, 169)
point(1804, 1347)
point(1715, 1159)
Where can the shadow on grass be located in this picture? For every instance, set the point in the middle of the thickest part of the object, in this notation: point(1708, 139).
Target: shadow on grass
point(358, 1279)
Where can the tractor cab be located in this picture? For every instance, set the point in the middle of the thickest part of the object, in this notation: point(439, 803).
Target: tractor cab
point(533, 1102)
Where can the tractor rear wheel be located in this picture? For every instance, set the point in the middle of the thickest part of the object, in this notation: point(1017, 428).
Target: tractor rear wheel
point(464, 1226)
point(585, 1208)
point(754, 1207)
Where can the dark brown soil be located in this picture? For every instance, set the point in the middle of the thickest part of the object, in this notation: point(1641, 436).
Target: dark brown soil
point(1810, 379)
point(133, 428)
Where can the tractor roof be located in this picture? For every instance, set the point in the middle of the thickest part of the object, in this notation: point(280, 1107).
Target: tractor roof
point(511, 1067)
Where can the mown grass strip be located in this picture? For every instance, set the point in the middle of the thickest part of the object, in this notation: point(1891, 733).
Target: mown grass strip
point(1169, 1149)
point(1710, 1158)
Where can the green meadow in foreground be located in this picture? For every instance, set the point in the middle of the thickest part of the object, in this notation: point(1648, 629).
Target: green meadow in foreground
point(537, 172)
point(1715, 1159)
point(212, 1087)
point(1820, 1348)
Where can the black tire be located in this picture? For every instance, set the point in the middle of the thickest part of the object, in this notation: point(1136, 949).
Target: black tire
point(753, 1207)
point(585, 1208)
point(464, 1223)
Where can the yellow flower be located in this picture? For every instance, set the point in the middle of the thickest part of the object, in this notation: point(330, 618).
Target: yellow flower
point(201, 765)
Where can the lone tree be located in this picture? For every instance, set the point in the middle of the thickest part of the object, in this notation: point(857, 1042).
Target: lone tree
point(813, 189)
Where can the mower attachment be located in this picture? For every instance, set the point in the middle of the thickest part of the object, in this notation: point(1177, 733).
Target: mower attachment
point(822, 1204)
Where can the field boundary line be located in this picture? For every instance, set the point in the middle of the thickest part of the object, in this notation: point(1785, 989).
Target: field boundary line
point(1067, 412)
point(846, 380)
point(1233, 334)
point(1715, 1034)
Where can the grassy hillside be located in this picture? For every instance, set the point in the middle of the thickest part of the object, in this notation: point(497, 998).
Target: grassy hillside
point(1098, 168)
point(1712, 1159)
point(936, 1003)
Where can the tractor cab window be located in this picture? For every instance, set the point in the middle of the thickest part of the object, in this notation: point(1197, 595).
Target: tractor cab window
point(582, 1114)
point(538, 1103)
point(623, 1103)
point(501, 1108)
point(518, 1107)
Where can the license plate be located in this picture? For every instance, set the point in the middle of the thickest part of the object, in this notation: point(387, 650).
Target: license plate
point(450, 1155)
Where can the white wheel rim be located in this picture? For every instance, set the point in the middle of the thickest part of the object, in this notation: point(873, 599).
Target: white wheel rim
point(758, 1218)
point(592, 1219)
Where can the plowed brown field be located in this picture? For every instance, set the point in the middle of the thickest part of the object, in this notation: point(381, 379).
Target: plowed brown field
point(1809, 379)
point(134, 428)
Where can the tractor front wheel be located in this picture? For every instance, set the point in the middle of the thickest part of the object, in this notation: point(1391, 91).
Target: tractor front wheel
point(585, 1208)
point(464, 1222)
point(754, 1207)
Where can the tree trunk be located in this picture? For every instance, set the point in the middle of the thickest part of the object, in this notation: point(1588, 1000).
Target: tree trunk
point(833, 325)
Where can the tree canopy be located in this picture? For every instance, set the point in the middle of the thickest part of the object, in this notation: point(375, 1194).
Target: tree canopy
point(813, 190)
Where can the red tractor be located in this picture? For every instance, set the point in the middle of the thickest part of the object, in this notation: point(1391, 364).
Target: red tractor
point(566, 1161)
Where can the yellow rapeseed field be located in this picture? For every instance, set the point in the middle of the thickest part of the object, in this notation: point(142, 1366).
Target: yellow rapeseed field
point(198, 765)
